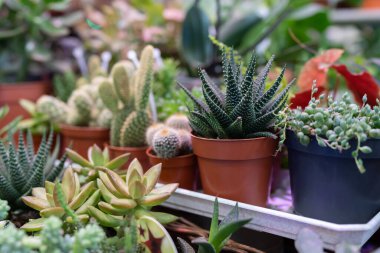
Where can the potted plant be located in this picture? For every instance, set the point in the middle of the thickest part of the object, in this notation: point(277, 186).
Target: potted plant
point(126, 94)
point(333, 159)
point(27, 34)
point(84, 120)
point(170, 145)
point(233, 136)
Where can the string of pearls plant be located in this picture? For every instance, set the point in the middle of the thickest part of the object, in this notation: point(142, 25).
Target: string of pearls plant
point(340, 125)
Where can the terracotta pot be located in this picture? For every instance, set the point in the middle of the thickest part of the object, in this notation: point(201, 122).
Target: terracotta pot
point(82, 138)
point(181, 169)
point(371, 4)
point(239, 169)
point(136, 152)
point(11, 93)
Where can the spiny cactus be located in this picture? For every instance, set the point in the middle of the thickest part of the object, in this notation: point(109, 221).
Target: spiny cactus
point(178, 121)
point(67, 200)
point(64, 85)
point(84, 107)
point(246, 110)
point(96, 159)
point(21, 169)
point(126, 94)
point(55, 109)
point(134, 195)
point(150, 132)
point(166, 143)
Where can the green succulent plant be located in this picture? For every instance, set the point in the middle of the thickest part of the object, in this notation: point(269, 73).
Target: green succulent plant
point(21, 169)
point(219, 234)
point(339, 126)
point(64, 84)
point(245, 110)
point(96, 159)
point(84, 106)
point(38, 122)
point(126, 94)
point(11, 126)
point(130, 199)
point(52, 239)
point(67, 200)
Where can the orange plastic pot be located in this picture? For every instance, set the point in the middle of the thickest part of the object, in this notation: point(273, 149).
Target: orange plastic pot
point(371, 4)
point(135, 152)
point(82, 138)
point(180, 169)
point(11, 93)
point(239, 169)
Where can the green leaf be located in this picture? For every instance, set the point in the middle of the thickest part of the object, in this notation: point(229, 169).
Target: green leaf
point(203, 245)
point(215, 220)
point(131, 237)
point(225, 232)
point(96, 155)
point(232, 216)
point(92, 25)
point(28, 106)
point(185, 247)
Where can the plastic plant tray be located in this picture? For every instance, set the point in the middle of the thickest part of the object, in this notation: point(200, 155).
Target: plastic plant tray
point(275, 222)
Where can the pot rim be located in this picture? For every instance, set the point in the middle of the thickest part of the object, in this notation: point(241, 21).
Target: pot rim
point(150, 149)
point(127, 148)
point(228, 140)
point(45, 81)
point(82, 128)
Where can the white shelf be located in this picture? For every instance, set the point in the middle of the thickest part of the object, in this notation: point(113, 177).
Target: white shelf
point(275, 222)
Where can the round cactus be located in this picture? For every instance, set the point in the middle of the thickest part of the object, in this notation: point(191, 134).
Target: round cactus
point(55, 109)
point(178, 121)
point(166, 143)
point(151, 131)
point(104, 118)
point(185, 141)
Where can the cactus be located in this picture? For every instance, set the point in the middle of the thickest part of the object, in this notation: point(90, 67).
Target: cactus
point(178, 121)
point(67, 200)
point(166, 143)
point(21, 169)
point(245, 110)
point(185, 140)
point(83, 107)
point(55, 109)
point(151, 131)
point(64, 85)
point(126, 94)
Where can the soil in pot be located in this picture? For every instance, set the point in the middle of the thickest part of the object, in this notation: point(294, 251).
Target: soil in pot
point(11, 93)
point(327, 185)
point(180, 169)
point(239, 170)
point(135, 152)
point(82, 138)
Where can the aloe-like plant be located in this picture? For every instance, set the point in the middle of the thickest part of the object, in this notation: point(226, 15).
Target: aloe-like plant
point(130, 199)
point(67, 200)
point(245, 110)
point(21, 169)
point(11, 126)
point(219, 232)
point(96, 159)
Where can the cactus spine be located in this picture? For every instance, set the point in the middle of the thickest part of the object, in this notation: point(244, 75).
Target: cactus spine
point(126, 94)
point(166, 143)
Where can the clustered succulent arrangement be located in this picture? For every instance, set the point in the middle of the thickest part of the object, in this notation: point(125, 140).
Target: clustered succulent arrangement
point(126, 95)
point(172, 138)
point(84, 106)
point(340, 125)
point(245, 110)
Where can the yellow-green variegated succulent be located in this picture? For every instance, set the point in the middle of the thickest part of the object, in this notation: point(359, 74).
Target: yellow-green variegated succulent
point(67, 200)
point(96, 158)
point(132, 197)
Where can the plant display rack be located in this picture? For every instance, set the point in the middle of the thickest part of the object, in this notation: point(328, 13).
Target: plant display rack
point(275, 222)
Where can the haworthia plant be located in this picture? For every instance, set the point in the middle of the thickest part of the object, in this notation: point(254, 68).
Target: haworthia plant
point(245, 110)
point(21, 169)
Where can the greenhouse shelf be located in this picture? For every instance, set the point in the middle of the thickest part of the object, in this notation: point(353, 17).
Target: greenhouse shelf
point(275, 222)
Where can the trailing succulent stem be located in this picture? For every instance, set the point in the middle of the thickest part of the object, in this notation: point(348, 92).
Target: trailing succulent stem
point(245, 110)
point(126, 94)
point(340, 126)
point(21, 169)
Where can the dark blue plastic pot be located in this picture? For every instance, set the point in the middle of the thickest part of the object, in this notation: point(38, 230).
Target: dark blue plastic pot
point(327, 185)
